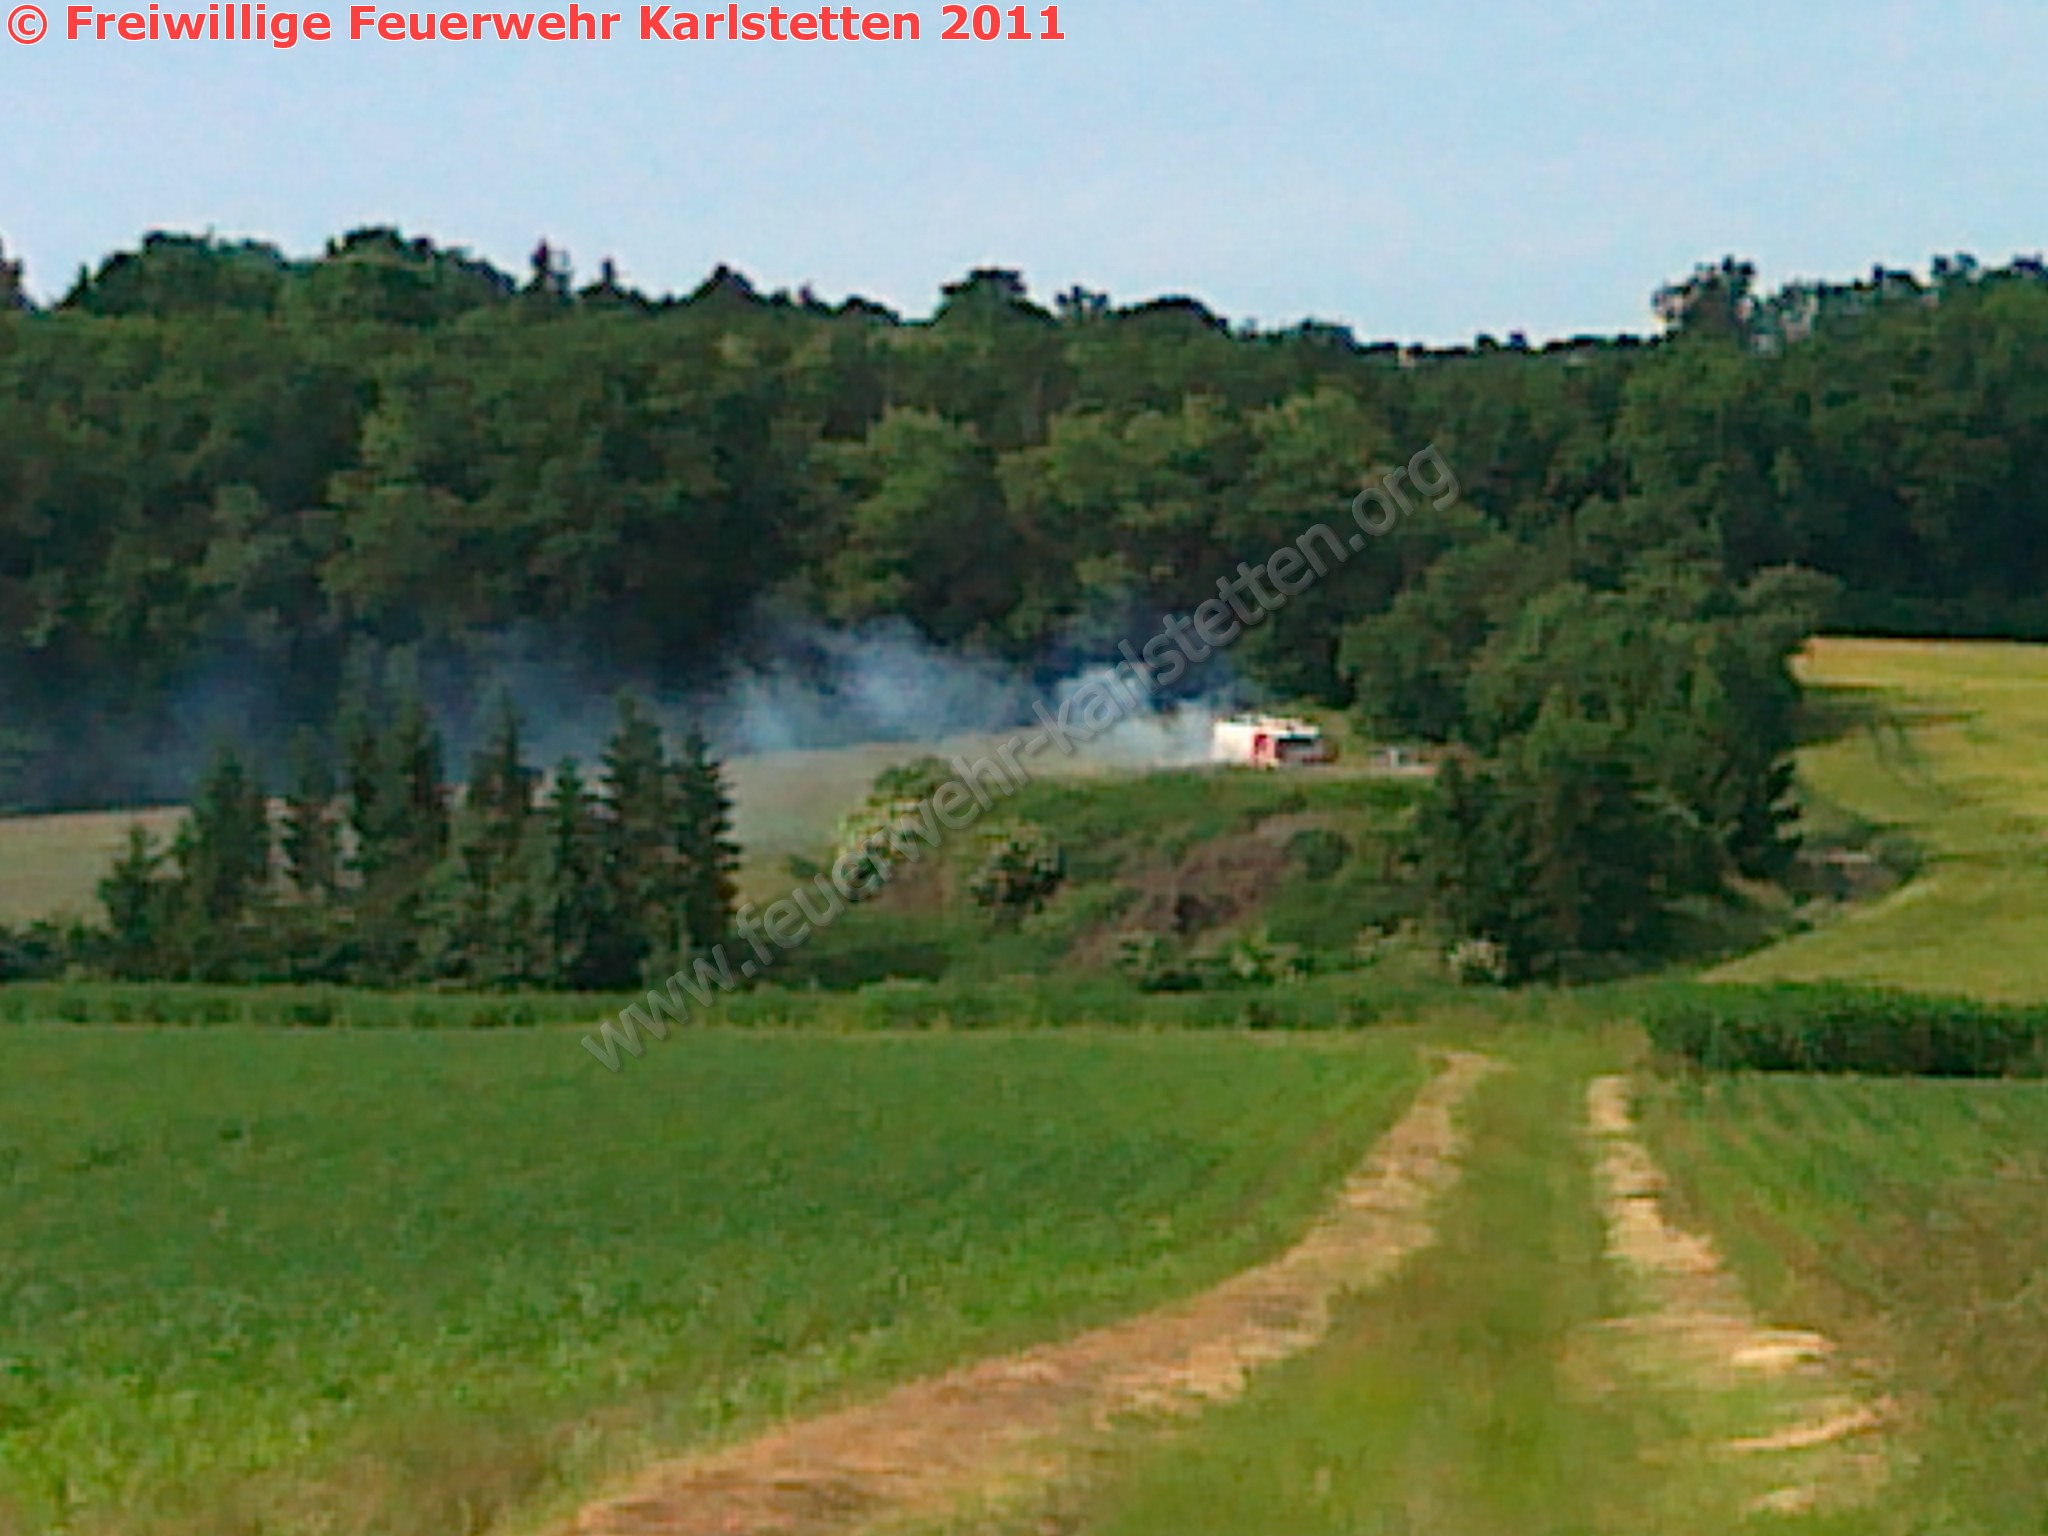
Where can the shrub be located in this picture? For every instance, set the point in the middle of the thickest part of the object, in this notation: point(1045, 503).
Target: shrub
point(1478, 963)
point(1021, 866)
point(1834, 1028)
point(1319, 851)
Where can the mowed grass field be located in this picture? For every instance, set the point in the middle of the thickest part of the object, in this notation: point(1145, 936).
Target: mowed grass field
point(1910, 1219)
point(1945, 744)
point(432, 1282)
point(50, 866)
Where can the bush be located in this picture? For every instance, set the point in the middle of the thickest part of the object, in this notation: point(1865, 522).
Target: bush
point(1021, 866)
point(1830, 1028)
point(1478, 963)
point(1319, 851)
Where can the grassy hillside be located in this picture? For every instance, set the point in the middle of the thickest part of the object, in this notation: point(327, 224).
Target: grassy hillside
point(1910, 1218)
point(278, 1280)
point(1944, 745)
point(1189, 861)
point(1907, 1220)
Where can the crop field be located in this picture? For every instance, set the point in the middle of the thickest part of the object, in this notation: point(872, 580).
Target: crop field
point(1946, 746)
point(1500, 1387)
point(1912, 1219)
point(289, 1280)
point(1452, 1402)
point(50, 866)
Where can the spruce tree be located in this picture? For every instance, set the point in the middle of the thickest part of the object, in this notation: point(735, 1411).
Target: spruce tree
point(136, 897)
point(398, 813)
point(222, 852)
point(224, 846)
point(486, 913)
point(311, 854)
point(708, 859)
point(366, 791)
point(414, 765)
point(578, 919)
point(640, 854)
point(500, 790)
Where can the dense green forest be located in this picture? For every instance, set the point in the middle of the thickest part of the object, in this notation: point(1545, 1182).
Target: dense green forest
point(223, 470)
point(229, 475)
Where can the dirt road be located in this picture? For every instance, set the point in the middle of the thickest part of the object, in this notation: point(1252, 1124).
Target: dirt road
point(1011, 1424)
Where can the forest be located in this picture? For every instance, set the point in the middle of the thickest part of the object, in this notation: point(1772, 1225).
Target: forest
point(219, 464)
point(223, 468)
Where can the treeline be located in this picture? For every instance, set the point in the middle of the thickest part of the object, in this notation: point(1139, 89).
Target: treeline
point(217, 463)
point(375, 871)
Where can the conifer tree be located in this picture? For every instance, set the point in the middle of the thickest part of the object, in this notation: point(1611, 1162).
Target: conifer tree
point(707, 856)
point(366, 791)
point(486, 909)
point(311, 855)
point(137, 900)
point(414, 765)
point(640, 853)
point(579, 920)
point(223, 849)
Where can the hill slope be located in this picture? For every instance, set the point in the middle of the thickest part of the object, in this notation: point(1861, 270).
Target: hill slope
point(1945, 745)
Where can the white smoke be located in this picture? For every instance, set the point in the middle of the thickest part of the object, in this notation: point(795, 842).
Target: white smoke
point(833, 688)
point(1151, 734)
point(820, 688)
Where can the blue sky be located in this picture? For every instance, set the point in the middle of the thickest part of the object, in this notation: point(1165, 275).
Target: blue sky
point(1419, 172)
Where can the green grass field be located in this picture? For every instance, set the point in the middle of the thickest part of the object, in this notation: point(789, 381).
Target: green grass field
point(1911, 1218)
point(268, 1280)
point(1447, 1404)
point(1908, 1220)
point(1944, 744)
point(429, 1280)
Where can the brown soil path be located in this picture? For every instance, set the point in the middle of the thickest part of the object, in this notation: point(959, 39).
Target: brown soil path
point(1012, 1423)
point(1696, 1321)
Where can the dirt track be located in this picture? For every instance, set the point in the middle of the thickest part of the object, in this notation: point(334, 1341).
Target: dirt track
point(1012, 1423)
point(1697, 1322)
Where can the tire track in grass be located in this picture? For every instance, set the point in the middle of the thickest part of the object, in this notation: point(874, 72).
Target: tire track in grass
point(1012, 1423)
point(1694, 1323)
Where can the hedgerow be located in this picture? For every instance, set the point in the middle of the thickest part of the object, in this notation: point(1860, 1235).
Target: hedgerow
point(1837, 1028)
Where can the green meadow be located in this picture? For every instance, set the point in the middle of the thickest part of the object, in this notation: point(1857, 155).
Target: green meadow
point(408, 1279)
point(269, 1280)
point(1942, 748)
